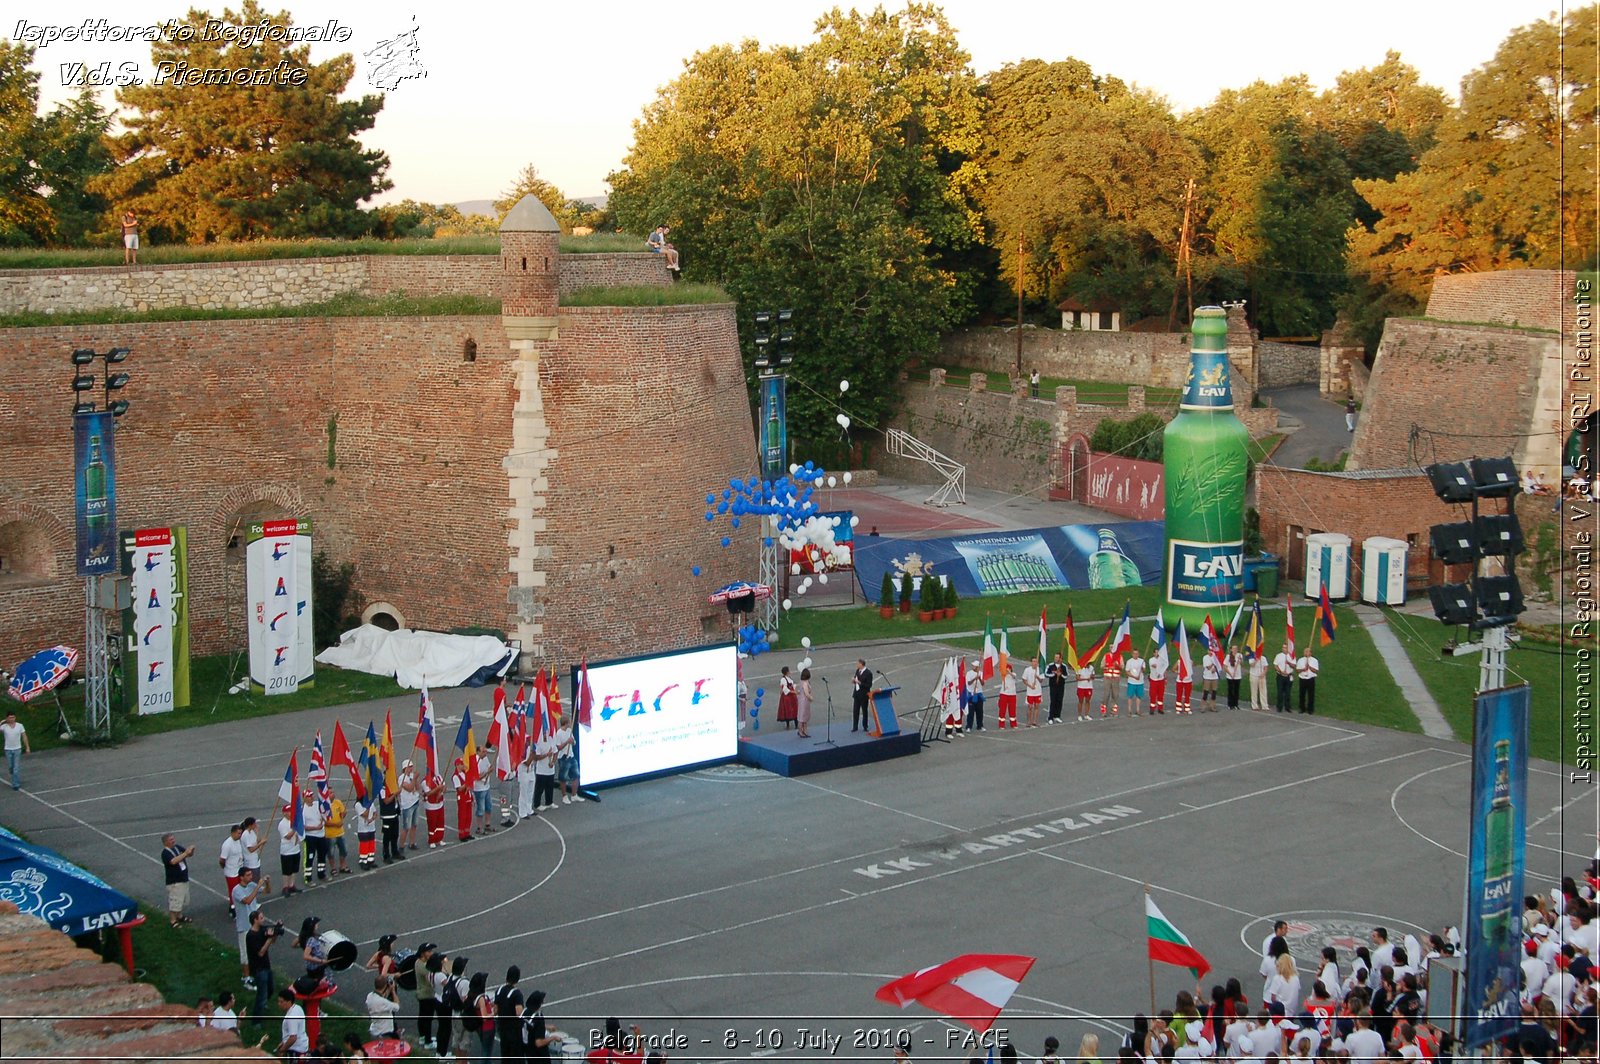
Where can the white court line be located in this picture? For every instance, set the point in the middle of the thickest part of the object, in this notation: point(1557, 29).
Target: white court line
point(160, 772)
point(1558, 810)
point(878, 805)
point(179, 830)
point(894, 885)
point(193, 784)
point(112, 838)
point(514, 898)
point(1153, 886)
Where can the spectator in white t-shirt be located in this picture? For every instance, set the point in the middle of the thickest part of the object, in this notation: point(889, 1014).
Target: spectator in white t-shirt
point(16, 744)
point(383, 1005)
point(293, 1043)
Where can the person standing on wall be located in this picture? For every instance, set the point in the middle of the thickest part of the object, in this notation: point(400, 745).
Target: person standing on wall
point(130, 239)
point(1350, 414)
point(861, 691)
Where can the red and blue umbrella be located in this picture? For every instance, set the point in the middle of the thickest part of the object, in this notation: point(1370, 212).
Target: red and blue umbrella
point(739, 589)
point(42, 672)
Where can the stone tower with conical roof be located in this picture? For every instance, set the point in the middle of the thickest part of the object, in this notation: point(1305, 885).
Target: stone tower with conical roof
point(529, 244)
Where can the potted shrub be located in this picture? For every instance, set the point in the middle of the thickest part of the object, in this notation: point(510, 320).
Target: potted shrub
point(886, 597)
point(905, 592)
point(947, 599)
point(928, 609)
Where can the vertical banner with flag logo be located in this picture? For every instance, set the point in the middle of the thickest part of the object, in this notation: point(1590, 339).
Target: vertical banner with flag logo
point(156, 622)
point(94, 472)
point(1495, 852)
point(278, 586)
point(774, 427)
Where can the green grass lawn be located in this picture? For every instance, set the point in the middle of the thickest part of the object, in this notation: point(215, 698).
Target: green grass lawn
point(1103, 393)
point(1354, 684)
point(1453, 682)
point(209, 681)
point(349, 305)
point(254, 250)
point(1260, 450)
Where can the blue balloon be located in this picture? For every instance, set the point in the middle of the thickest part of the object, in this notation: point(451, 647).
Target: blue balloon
point(695, 570)
point(767, 541)
point(734, 522)
point(760, 691)
point(726, 541)
point(711, 499)
point(710, 516)
point(733, 483)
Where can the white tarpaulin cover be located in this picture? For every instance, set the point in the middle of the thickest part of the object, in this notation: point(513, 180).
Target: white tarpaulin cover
point(415, 658)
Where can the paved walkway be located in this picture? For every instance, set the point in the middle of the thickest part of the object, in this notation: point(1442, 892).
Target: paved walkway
point(1405, 674)
point(1320, 432)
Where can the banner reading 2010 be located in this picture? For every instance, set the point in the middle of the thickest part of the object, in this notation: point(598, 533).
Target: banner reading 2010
point(156, 622)
point(278, 585)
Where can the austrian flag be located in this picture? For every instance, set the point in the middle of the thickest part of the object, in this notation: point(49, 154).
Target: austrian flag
point(972, 988)
point(1168, 945)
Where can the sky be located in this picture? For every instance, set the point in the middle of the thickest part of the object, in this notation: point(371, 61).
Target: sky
point(498, 86)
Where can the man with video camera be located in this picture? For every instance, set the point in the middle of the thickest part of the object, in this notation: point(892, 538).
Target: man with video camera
point(257, 941)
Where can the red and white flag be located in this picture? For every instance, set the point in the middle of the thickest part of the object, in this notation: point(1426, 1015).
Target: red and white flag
point(1213, 644)
point(1288, 623)
point(972, 988)
point(585, 696)
point(500, 739)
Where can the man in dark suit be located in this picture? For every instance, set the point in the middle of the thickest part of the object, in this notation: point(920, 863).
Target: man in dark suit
point(863, 691)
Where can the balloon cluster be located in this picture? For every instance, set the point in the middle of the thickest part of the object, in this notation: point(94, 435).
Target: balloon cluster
point(753, 640)
point(796, 522)
point(805, 662)
point(755, 710)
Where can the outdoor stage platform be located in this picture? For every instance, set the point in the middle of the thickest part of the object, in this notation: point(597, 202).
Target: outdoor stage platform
point(786, 754)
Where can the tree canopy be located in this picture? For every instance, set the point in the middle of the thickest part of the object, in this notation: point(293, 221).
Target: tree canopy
point(836, 178)
point(240, 161)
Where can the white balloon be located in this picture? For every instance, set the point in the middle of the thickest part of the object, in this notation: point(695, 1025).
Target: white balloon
point(822, 578)
point(793, 469)
point(795, 568)
point(843, 420)
point(818, 481)
point(833, 482)
point(801, 590)
point(847, 477)
point(805, 663)
point(844, 386)
point(834, 521)
point(788, 604)
point(854, 521)
point(805, 641)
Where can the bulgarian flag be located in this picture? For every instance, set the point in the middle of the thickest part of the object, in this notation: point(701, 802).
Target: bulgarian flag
point(991, 656)
point(1044, 646)
point(1169, 945)
point(972, 988)
point(1070, 643)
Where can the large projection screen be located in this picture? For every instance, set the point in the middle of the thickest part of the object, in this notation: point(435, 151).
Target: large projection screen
point(659, 714)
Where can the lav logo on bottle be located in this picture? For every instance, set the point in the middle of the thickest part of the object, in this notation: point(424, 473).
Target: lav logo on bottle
point(1208, 386)
point(1205, 574)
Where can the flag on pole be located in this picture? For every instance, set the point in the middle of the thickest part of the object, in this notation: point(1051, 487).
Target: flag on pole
point(1233, 625)
point(972, 988)
point(585, 695)
point(1158, 634)
point(1169, 945)
point(991, 656)
point(1005, 649)
point(552, 702)
point(318, 774)
point(499, 739)
point(1185, 663)
point(1255, 637)
point(948, 694)
point(517, 722)
point(425, 733)
point(371, 761)
point(1213, 644)
point(391, 778)
point(1122, 643)
point(1288, 622)
point(1100, 644)
point(1069, 641)
point(289, 788)
point(468, 748)
point(1044, 646)
point(342, 756)
point(1329, 626)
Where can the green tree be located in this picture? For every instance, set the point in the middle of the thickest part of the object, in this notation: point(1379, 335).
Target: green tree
point(410, 219)
point(529, 182)
point(1277, 202)
point(25, 215)
point(75, 151)
point(1088, 176)
point(1384, 119)
point(234, 162)
point(835, 178)
point(1510, 181)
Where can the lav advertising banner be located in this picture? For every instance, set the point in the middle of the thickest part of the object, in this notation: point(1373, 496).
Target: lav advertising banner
point(774, 427)
point(156, 622)
point(1058, 558)
point(1495, 854)
point(278, 583)
point(94, 470)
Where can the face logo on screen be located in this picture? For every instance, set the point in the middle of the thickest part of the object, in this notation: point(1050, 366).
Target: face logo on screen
point(698, 694)
point(663, 694)
point(636, 703)
point(661, 713)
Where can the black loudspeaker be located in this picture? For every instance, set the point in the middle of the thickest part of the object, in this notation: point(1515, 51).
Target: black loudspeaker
point(745, 603)
point(1452, 481)
point(1499, 535)
point(1454, 544)
point(1500, 597)
point(1495, 478)
point(1452, 603)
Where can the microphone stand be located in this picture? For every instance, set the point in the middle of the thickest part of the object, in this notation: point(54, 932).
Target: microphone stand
point(827, 739)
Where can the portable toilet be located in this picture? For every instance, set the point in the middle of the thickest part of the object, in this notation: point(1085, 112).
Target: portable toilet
point(1328, 559)
point(1383, 571)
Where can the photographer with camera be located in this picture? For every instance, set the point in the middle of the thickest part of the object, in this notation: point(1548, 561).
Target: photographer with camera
point(257, 941)
point(245, 899)
point(383, 1005)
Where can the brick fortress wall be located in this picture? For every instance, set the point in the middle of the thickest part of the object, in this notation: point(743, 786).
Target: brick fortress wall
point(296, 282)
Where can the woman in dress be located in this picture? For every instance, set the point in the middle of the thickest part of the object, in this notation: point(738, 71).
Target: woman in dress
point(788, 701)
point(803, 707)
